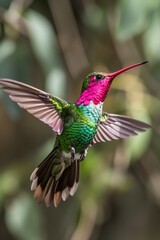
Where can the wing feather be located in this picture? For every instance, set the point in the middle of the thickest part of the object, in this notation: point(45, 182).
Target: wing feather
point(42, 105)
point(114, 126)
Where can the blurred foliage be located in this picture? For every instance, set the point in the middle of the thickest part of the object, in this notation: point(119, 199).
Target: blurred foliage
point(53, 45)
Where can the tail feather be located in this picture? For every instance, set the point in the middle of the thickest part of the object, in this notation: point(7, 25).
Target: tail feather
point(53, 180)
point(69, 181)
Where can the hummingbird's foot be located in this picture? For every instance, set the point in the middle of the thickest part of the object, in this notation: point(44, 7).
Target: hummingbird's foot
point(72, 153)
point(83, 155)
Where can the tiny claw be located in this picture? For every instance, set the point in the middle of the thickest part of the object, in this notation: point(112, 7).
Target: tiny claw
point(83, 155)
point(72, 153)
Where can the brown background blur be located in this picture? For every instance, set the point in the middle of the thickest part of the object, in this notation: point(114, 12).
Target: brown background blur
point(52, 45)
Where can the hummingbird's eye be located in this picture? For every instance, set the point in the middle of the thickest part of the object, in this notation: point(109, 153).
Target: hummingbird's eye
point(99, 77)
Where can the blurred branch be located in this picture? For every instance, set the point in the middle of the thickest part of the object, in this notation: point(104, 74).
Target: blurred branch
point(87, 221)
point(14, 20)
point(20, 5)
point(129, 49)
point(69, 37)
point(124, 49)
point(12, 16)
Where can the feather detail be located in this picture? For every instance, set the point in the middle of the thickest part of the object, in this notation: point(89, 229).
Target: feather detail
point(52, 180)
point(42, 105)
point(113, 126)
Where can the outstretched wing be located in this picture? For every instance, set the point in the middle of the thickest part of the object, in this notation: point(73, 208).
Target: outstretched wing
point(42, 105)
point(113, 126)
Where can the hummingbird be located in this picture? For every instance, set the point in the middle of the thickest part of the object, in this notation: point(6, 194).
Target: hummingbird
point(78, 126)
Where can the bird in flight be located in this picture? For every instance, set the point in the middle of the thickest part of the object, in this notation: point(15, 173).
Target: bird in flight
point(78, 125)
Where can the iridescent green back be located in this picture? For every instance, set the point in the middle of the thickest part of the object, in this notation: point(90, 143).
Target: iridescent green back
point(80, 128)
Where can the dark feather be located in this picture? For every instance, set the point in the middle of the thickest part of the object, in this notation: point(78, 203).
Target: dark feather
point(50, 188)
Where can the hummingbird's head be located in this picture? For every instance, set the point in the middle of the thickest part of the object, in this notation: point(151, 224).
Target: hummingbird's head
point(94, 79)
point(97, 84)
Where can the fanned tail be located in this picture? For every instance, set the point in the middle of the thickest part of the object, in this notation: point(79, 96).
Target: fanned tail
point(53, 180)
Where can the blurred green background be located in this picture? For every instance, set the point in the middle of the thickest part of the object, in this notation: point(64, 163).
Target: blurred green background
point(52, 45)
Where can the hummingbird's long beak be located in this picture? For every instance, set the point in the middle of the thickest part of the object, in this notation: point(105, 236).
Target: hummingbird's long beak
point(113, 75)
